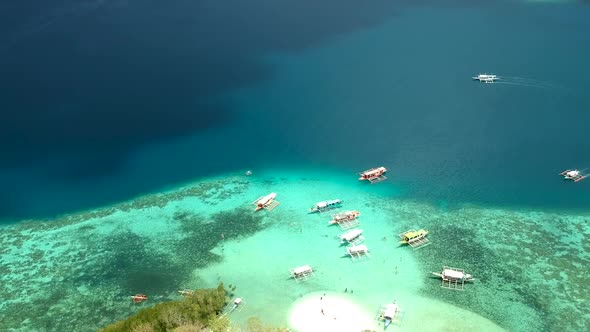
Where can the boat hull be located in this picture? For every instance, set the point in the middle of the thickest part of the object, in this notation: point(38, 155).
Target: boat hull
point(386, 323)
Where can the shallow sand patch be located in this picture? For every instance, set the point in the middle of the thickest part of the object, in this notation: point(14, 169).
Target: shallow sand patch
point(320, 311)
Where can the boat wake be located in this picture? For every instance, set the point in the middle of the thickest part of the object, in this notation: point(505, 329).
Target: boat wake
point(526, 82)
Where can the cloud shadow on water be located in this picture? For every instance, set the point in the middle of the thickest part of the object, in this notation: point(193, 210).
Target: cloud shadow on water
point(85, 84)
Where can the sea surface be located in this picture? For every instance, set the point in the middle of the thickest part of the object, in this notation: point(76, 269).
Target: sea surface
point(106, 100)
point(107, 104)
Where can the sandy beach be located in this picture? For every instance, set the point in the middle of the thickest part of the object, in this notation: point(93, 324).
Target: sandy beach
point(320, 311)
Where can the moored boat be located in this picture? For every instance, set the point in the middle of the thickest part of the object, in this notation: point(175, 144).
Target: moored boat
point(326, 205)
point(374, 175)
point(344, 216)
point(265, 201)
point(412, 236)
point(453, 274)
point(357, 250)
point(351, 235)
point(138, 298)
point(389, 313)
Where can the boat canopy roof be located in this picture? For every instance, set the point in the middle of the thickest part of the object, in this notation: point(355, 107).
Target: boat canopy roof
point(267, 198)
point(302, 269)
point(417, 233)
point(346, 214)
point(351, 234)
point(390, 310)
point(380, 169)
point(453, 274)
point(359, 248)
point(327, 203)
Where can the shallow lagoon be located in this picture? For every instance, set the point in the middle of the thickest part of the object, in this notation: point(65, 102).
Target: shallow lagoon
point(77, 272)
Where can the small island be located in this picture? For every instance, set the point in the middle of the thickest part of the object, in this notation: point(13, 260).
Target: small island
point(199, 310)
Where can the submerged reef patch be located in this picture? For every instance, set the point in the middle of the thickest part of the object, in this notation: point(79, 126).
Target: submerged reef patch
point(77, 273)
point(529, 267)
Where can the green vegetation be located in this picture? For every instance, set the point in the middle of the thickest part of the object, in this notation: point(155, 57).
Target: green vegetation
point(255, 325)
point(197, 312)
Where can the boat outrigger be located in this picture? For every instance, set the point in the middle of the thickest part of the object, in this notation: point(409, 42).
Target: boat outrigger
point(388, 314)
point(326, 206)
point(486, 78)
point(374, 175)
point(573, 175)
point(453, 278)
point(353, 237)
point(416, 239)
point(267, 202)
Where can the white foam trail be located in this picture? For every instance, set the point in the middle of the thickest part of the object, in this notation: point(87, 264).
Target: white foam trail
point(530, 85)
point(526, 81)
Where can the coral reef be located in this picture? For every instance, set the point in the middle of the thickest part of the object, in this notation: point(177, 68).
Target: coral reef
point(78, 271)
point(529, 266)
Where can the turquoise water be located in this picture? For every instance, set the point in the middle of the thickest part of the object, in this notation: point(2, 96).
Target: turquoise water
point(77, 272)
point(474, 164)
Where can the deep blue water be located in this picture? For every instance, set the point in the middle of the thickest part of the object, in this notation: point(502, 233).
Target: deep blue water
point(106, 100)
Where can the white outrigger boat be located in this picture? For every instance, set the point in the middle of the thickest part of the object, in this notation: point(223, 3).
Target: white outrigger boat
point(358, 252)
point(237, 303)
point(326, 206)
point(374, 175)
point(353, 237)
point(453, 278)
point(573, 175)
point(267, 202)
point(486, 78)
point(301, 273)
point(344, 216)
point(388, 314)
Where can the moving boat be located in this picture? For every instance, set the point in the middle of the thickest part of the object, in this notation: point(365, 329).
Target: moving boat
point(573, 175)
point(486, 78)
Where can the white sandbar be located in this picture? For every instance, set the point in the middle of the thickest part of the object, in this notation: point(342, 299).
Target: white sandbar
point(330, 312)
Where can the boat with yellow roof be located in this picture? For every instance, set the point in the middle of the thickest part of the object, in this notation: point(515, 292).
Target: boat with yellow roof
point(415, 239)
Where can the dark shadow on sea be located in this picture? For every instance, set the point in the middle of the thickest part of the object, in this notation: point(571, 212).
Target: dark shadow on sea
point(87, 83)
